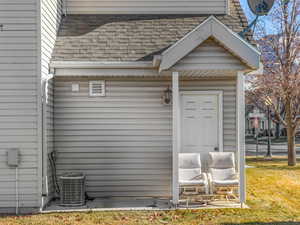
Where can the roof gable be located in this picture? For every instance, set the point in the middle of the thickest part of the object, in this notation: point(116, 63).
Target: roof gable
point(208, 56)
point(211, 27)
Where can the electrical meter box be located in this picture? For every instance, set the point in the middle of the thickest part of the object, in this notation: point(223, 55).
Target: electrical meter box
point(13, 155)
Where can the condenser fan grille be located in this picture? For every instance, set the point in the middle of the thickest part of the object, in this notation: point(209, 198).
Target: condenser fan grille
point(72, 189)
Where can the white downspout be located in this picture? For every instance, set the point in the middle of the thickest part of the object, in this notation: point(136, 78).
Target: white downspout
point(45, 144)
point(45, 189)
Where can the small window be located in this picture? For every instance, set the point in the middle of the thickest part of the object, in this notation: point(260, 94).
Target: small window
point(97, 88)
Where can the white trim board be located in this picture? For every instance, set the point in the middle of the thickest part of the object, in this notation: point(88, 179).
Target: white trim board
point(146, 7)
point(176, 137)
point(211, 27)
point(220, 100)
point(109, 72)
point(100, 65)
point(97, 68)
point(240, 132)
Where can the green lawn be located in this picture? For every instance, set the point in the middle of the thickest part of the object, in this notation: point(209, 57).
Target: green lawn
point(273, 195)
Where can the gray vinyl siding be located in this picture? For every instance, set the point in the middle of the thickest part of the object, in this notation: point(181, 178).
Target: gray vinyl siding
point(146, 7)
point(51, 13)
point(18, 101)
point(20, 52)
point(122, 141)
point(228, 86)
point(209, 56)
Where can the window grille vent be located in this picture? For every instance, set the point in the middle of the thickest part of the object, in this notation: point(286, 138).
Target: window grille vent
point(97, 88)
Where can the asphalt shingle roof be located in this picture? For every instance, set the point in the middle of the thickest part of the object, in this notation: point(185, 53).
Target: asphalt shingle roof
point(130, 37)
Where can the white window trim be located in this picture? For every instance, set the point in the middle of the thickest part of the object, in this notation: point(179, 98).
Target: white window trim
point(102, 94)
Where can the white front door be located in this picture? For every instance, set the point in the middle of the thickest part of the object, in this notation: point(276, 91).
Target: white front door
point(201, 122)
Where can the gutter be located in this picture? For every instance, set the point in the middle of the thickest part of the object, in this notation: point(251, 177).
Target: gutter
point(100, 65)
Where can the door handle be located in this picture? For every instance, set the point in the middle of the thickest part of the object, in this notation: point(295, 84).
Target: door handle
point(216, 149)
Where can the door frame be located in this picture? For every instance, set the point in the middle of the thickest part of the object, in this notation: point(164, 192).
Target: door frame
point(219, 94)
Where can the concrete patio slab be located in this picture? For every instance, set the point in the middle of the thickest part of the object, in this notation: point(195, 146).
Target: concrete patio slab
point(121, 204)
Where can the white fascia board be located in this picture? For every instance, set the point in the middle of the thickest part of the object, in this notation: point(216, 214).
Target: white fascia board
point(211, 27)
point(100, 65)
point(109, 72)
point(260, 70)
point(236, 44)
point(185, 45)
point(236, 35)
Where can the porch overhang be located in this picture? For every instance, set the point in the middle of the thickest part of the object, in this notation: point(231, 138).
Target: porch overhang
point(103, 68)
point(211, 28)
point(128, 69)
point(162, 64)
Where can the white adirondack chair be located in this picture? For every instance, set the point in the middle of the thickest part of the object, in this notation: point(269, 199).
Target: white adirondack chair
point(193, 183)
point(223, 178)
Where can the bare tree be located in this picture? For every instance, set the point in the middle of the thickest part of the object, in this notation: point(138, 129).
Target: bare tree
point(279, 85)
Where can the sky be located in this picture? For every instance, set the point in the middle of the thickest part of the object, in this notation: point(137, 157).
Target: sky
point(250, 16)
point(247, 11)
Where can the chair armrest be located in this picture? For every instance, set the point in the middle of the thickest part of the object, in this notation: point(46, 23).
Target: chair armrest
point(200, 176)
point(205, 179)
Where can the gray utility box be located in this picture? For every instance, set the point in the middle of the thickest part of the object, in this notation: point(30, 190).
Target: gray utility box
point(72, 189)
point(13, 155)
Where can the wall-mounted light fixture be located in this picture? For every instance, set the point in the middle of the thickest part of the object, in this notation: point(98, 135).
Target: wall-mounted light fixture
point(167, 96)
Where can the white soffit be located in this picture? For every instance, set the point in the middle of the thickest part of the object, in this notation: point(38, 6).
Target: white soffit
point(211, 27)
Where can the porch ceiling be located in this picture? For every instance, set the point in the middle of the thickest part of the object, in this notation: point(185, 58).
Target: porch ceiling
point(207, 73)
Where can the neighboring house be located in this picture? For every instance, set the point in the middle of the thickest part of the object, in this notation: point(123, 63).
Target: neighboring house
point(90, 80)
point(262, 122)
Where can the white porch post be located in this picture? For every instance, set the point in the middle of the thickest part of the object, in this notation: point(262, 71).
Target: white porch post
point(176, 136)
point(240, 128)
